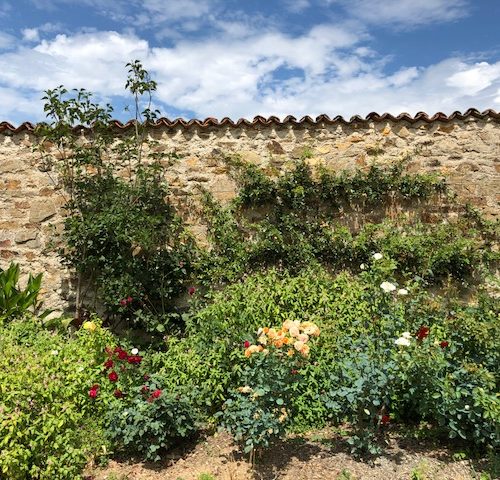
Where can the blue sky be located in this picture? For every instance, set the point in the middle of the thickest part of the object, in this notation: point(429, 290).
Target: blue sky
point(244, 58)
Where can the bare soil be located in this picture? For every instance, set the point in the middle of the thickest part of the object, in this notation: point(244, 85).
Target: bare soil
point(320, 455)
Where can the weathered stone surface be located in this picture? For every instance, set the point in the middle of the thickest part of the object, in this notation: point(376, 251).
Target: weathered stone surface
point(250, 157)
point(275, 147)
point(467, 152)
point(403, 132)
point(24, 235)
point(42, 210)
point(10, 165)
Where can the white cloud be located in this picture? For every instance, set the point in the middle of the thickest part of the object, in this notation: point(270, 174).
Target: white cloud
point(326, 70)
point(33, 34)
point(30, 34)
point(404, 12)
point(94, 61)
point(297, 6)
point(5, 9)
point(472, 79)
point(6, 40)
point(139, 13)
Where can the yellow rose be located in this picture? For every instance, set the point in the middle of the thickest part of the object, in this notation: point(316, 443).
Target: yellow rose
point(290, 352)
point(298, 345)
point(252, 349)
point(294, 331)
point(245, 389)
point(310, 328)
point(304, 350)
point(272, 333)
point(303, 337)
point(90, 326)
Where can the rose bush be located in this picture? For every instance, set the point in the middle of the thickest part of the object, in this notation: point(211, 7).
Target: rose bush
point(259, 410)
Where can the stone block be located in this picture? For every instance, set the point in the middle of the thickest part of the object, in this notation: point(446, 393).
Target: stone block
point(250, 156)
point(24, 236)
point(41, 211)
point(275, 147)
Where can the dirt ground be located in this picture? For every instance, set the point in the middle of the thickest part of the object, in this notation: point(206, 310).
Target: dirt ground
point(318, 455)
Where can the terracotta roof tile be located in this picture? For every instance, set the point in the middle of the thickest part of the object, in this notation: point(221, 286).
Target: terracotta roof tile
point(288, 120)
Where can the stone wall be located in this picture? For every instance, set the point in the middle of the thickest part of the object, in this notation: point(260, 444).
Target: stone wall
point(464, 148)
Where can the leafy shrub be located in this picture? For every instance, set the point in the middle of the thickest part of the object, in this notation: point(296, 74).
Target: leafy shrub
point(209, 358)
point(15, 302)
point(129, 241)
point(149, 419)
point(365, 314)
point(299, 220)
point(121, 235)
point(259, 411)
point(48, 427)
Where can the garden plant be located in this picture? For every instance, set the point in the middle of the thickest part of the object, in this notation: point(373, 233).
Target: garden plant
point(289, 318)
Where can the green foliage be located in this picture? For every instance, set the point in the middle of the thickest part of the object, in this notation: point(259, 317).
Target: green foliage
point(259, 411)
point(382, 383)
point(149, 419)
point(121, 235)
point(129, 241)
point(300, 219)
point(48, 427)
point(14, 301)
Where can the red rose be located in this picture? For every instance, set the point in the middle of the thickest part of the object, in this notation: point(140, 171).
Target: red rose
point(118, 393)
point(247, 344)
point(108, 363)
point(191, 290)
point(122, 354)
point(123, 302)
point(134, 359)
point(293, 371)
point(423, 332)
point(129, 299)
point(93, 391)
point(146, 378)
point(156, 393)
point(385, 419)
point(145, 389)
point(444, 344)
point(113, 376)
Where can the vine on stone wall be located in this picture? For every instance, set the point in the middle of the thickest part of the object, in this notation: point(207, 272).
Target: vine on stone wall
point(340, 219)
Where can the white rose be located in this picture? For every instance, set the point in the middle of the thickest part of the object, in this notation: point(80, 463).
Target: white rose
point(402, 291)
point(377, 256)
point(406, 335)
point(467, 407)
point(134, 351)
point(387, 287)
point(362, 266)
point(403, 342)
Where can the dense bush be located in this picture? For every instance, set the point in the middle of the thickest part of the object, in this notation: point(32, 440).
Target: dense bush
point(48, 427)
point(365, 315)
point(149, 420)
point(121, 235)
point(260, 409)
point(302, 219)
